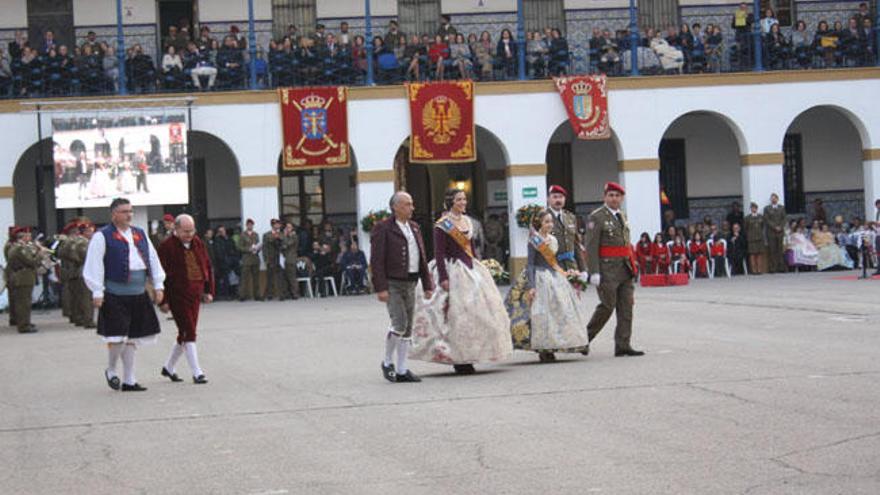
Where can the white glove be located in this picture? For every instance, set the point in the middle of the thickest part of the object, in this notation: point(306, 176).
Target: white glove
point(595, 279)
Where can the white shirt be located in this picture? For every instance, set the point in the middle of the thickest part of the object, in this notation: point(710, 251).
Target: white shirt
point(412, 246)
point(93, 269)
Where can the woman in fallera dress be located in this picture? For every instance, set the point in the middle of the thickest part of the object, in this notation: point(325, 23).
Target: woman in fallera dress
point(547, 314)
point(465, 322)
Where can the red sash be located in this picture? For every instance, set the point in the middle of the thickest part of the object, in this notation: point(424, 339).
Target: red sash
point(619, 252)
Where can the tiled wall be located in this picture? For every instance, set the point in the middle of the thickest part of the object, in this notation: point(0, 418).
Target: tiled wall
point(579, 26)
point(850, 204)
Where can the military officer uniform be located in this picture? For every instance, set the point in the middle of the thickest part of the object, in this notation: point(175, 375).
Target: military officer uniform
point(570, 254)
point(754, 227)
point(23, 260)
point(249, 246)
point(610, 254)
point(82, 309)
point(7, 274)
point(64, 270)
point(774, 217)
point(272, 256)
point(290, 249)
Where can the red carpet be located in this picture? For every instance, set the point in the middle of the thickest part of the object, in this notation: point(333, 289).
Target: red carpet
point(855, 277)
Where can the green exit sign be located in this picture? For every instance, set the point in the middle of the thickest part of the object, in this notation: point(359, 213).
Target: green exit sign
point(500, 195)
point(530, 192)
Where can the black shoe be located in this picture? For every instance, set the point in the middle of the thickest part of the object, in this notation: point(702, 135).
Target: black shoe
point(464, 369)
point(28, 329)
point(628, 352)
point(388, 372)
point(171, 376)
point(408, 377)
point(133, 388)
point(546, 357)
point(89, 325)
point(586, 351)
point(200, 380)
point(112, 382)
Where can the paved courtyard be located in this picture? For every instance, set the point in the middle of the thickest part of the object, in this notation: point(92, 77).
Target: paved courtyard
point(761, 385)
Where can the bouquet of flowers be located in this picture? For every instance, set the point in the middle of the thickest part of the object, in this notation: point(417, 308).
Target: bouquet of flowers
point(372, 218)
point(499, 275)
point(525, 213)
point(579, 281)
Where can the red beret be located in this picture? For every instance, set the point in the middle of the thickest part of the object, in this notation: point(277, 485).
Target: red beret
point(168, 218)
point(557, 189)
point(614, 186)
point(249, 220)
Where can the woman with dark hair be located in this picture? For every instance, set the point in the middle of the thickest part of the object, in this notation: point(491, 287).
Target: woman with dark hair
point(482, 51)
point(438, 54)
point(643, 254)
point(679, 254)
point(505, 52)
point(465, 321)
point(547, 314)
point(559, 56)
point(699, 253)
point(660, 254)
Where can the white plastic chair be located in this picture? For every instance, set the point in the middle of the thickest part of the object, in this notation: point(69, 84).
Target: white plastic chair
point(325, 280)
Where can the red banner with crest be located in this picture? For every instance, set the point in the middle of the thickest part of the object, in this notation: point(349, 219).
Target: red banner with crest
point(586, 101)
point(314, 122)
point(442, 122)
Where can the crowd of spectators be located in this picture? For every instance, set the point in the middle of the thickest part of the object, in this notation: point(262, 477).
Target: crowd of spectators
point(203, 61)
point(708, 249)
point(322, 251)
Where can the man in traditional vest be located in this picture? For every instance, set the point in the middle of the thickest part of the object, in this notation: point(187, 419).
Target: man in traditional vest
point(570, 253)
point(119, 262)
point(611, 263)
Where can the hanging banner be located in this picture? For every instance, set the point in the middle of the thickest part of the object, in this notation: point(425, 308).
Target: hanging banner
point(586, 101)
point(442, 122)
point(314, 122)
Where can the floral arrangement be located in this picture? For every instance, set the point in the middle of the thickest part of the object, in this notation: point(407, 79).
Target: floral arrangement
point(525, 213)
point(579, 281)
point(499, 274)
point(372, 218)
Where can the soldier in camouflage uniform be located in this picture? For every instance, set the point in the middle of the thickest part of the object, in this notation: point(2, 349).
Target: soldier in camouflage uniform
point(249, 247)
point(571, 249)
point(611, 263)
point(7, 273)
point(82, 308)
point(754, 223)
point(290, 249)
point(272, 256)
point(22, 261)
point(64, 268)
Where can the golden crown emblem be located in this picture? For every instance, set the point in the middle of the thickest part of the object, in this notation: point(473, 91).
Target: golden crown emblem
point(312, 101)
point(580, 88)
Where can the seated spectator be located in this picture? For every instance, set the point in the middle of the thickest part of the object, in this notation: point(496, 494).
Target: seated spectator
point(699, 255)
point(110, 65)
point(438, 52)
point(717, 251)
point(671, 58)
point(324, 267)
point(17, 46)
point(90, 68)
point(559, 55)
point(644, 254)
point(853, 42)
point(609, 53)
point(800, 44)
point(482, 51)
point(32, 72)
point(715, 49)
point(777, 47)
point(831, 255)
point(261, 67)
point(870, 44)
point(359, 54)
point(386, 63)
point(198, 64)
point(5, 74)
point(686, 43)
point(205, 41)
point(92, 42)
point(413, 56)
point(660, 254)
point(737, 249)
point(506, 53)
point(673, 36)
point(172, 68)
point(698, 50)
point(825, 42)
point(354, 265)
point(460, 54)
point(800, 251)
point(679, 252)
point(141, 70)
point(230, 64)
point(536, 53)
point(238, 37)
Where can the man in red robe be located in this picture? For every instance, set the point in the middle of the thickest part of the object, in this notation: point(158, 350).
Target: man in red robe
point(189, 282)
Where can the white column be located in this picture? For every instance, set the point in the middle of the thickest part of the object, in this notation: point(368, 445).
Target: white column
point(759, 182)
point(872, 186)
point(641, 179)
point(374, 190)
point(526, 184)
point(260, 204)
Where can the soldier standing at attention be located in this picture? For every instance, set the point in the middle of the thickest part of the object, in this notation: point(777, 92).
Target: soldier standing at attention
point(272, 256)
point(63, 252)
point(570, 252)
point(611, 264)
point(290, 249)
point(7, 273)
point(774, 216)
point(249, 246)
point(82, 308)
point(23, 260)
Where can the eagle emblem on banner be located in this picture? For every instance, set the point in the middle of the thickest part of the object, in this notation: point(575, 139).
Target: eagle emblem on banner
point(442, 122)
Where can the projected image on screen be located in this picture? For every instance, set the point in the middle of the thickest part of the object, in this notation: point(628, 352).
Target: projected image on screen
point(142, 158)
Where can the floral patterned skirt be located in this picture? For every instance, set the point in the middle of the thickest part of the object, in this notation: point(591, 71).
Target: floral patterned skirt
point(466, 325)
point(555, 321)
